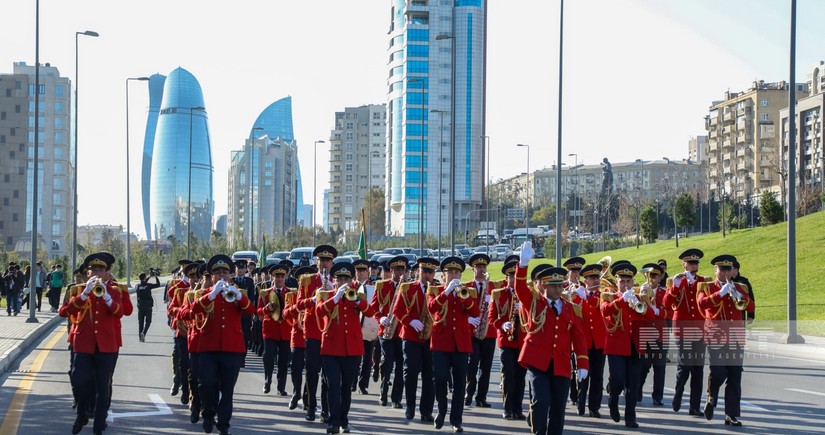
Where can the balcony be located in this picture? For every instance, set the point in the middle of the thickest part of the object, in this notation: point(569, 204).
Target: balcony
point(727, 117)
point(727, 144)
point(766, 149)
point(742, 152)
point(765, 164)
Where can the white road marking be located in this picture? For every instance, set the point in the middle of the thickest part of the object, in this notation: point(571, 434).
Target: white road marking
point(816, 393)
point(721, 402)
point(162, 409)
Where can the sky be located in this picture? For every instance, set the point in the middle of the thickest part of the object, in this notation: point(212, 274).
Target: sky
point(639, 75)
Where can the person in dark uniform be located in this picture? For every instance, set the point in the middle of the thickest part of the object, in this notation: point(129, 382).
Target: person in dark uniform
point(451, 305)
point(297, 343)
point(175, 290)
point(391, 346)
point(275, 330)
point(553, 329)
point(341, 341)
point(484, 337)
point(244, 282)
point(571, 284)
point(743, 282)
point(722, 302)
point(221, 344)
point(200, 280)
point(145, 303)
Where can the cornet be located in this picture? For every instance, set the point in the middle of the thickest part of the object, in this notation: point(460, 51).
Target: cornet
point(229, 296)
point(99, 289)
point(352, 294)
point(738, 301)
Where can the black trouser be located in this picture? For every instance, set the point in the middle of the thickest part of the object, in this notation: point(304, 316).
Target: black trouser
point(418, 360)
point(393, 355)
point(593, 385)
point(144, 320)
point(312, 362)
point(257, 335)
point(726, 368)
point(296, 370)
point(175, 363)
point(182, 370)
point(513, 375)
point(246, 328)
point(691, 364)
point(91, 377)
point(574, 387)
point(446, 366)
point(624, 373)
point(376, 360)
point(276, 350)
point(54, 297)
point(339, 372)
point(216, 382)
point(482, 357)
point(39, 298)
point(194, 372)
point(363, 378)
point(549, 396)
point(656, 358)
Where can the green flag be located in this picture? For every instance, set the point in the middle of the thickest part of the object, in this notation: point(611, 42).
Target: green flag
point(262, 259)
point(362, 240)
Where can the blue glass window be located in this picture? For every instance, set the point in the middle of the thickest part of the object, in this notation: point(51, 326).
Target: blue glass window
point(414, 145)
point(413, 177)
point(414, 114)
point(468, 3)
point(414, 161)
point(414, 98)
point(418, 35)
point(418, 51)
point(415, 130)
point(419, 81)
point(58, 91)
point(418, 66)
point(411, 226)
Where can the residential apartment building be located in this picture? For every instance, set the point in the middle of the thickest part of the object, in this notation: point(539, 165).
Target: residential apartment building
point(698, 148)
point(810, 162)
point(55, 152)
point(358, 153)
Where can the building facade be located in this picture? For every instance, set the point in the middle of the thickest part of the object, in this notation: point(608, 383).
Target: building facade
point(436, 61)
point(181, 177)
point(262, 190)
point(156, 82)
point(698, 148)
point(357, 163)
point(55, 140)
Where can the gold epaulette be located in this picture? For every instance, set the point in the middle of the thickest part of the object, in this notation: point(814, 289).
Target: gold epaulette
point(324, 294)
point(76, 289)
point(605, 297)
point(496, 294)
point(123, 288)
point(496, 285)
point(378, 286)
point(172, 282)
point(473, 292)
point(432, 290)
point(289, 297)
point(304, 280)
point(404, 286)
point(363, 297)
point(577, 309)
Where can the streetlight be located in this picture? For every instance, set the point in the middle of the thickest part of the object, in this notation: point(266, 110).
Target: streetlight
point(487, 191)
point(251, 187)
point(559, 131)
point(128, 195)
point(575, 188)
point(440, 168)
point(74, 182)
point(442, 37)
point(33, 277)
point(420, 81)
point(527, 218)
point(315, 187)
point(189, 198)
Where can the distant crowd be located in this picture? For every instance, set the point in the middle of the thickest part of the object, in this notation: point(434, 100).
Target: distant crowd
point(15, 286)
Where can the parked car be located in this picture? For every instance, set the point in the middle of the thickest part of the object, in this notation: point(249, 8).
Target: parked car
point(298, 253)
point(245, 255)
point(464, 253)
point(393, 251)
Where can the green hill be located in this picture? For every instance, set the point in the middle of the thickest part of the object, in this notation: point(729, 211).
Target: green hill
point(763, 255)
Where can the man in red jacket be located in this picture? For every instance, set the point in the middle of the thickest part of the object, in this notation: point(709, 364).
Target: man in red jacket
point(484, 346)
point(222, 347)
point(655, 335)
point(391, 351)
point(589, 296)
point(93, 310)
point(297, 343)
point(275, 329)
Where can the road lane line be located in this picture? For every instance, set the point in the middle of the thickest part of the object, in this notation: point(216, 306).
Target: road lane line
point(816, 393)
point(163, 409)
point(11, 421)
point(721, 401)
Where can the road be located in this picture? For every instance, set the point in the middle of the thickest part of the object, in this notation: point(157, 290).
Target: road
point(780, 395)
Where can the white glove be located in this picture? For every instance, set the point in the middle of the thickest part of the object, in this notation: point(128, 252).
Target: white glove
point(690, 277)
point(385, 321)
point(517, 306)
point(507, 326)
point(655, 310)
point(526, 254)
point(677, 280)
point(185, 279)
point(581, 374)
point(628, 294)
point(452, 286)
point(89, 286)
point(475, 321)
point(417, 325)
point(727, 288)
point(340, 293)
point(216, 290)
point(582, 292)
point(107, 298)
point(487, 299)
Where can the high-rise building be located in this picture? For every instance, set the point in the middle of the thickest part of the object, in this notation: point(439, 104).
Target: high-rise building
point(55, 159)
point(357, 162)
point(156, 82)
point(263, 174)
point(182, 147)
point(436, 61)
point(698, 148)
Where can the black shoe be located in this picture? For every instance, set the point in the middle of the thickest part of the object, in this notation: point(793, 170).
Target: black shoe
point(483, 404)
point(224, 431)
point(614, 414)
point(353, 388)
point(520, 416)
point(677, 399)
point(324, 418)
point(282, 393)
point(508, 416)
point(397, 405)
point(595, 414)
point(74, 404)
point(457, 429)
point(266, 388)
point(333, 429)
point(310, 416)
point(304, 407)
point(79, 422)
point(695, 412)
point(427, 419)
point(194, 414)
point(631, 424)
point(708, 410)
point(184, 398)
point(293, 403)
point(174, 390)
point(345, 429)
point(409, 414)
point(581, 409)
point(363, 391)
point(382, 401)
point(732, 421)
point(658, 402)
point(208, 425)
point(439, 421)
point(468, 401)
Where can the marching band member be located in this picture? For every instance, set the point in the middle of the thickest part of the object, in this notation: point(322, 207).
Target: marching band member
point(484, 346)
point(297, 343)
point(656, 354)
point(687, 329)
point(201, 279)
point(552, 330)
point(507, 320)
point(573, 282)
point(93, 312)
point(247, 283)
point(341, 342)
point(451, 305)
point(275, 330)
point(180, 359)
point(369, 326)
point(221, 344)
point(722, 303)
point(392, 361)
point(415, 322)
point(591, 388)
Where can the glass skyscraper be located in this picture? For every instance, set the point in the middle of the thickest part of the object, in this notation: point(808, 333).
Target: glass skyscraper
point(421, 72)
point(156, 82)
point(181, 146)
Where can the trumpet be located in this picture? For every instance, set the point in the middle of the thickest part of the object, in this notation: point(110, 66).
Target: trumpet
point(640, 303)
point(229, 296)
point(99, 289)
point(738, 301)
point(464, 292)
point(352, 294)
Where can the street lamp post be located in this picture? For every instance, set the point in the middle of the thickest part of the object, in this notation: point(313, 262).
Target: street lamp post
point(527, 204)
point(33, 277)
point(452, 138)
point(440, 168)
point(315, 186)
point(575, 188)
point(251, 183)
point(128, 195)
point(487, 192)
point(76, 106)
point(189, 197)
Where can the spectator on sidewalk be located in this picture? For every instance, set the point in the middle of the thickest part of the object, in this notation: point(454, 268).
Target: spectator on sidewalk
point(14, 288)
point(145, 303)
point(55, 280)
point(40, 281)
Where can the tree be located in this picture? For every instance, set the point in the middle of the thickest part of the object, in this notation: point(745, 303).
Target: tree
point(728, 217)
point(375, 212)
point(770, 211)
point(648, 223)
point(543, 216)
point(684, 211)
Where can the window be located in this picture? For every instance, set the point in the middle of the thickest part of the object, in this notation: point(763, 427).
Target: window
point(348, 178)
point(2, 116)
point(58, 91)
point(348, 167)
point(5, 201)
point(59, 167)
point(58, 137)
point(418, 66)
point(42, 89)
point(55, 231)
point(418, 51)
point(57, 213)
point(418, 35)
point(764, 117)
point(57, 198)
point(58, 122)
point(763, 103)
point(58, 107)
point(414, 129)
point(58, 183)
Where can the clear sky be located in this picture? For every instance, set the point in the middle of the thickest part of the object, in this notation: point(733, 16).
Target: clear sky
point(639, 75)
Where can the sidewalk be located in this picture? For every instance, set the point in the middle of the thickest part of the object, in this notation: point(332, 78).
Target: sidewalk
point(16, 335)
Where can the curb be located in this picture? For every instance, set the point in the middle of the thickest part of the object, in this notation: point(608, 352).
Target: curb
point(7, 359)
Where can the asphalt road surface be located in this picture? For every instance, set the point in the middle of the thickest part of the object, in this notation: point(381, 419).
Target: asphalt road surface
point(780, 395)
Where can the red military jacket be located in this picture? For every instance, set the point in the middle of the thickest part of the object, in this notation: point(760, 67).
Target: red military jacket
point(93, 320)
point(550, 337)
point(681, 303)
point(308, 285)
point(659, 324)
point(341, 325)
point(295, 318)
point(194, 322)
point(411, 304)
point(273, 329)
point(624, 325)
point(125, 305)
point(176, 297)
point(382, 303)
point(451, 332)
point(500, 306)
point(724, 324)
point(488, 292)
point(592, 321)
point(222, 331)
